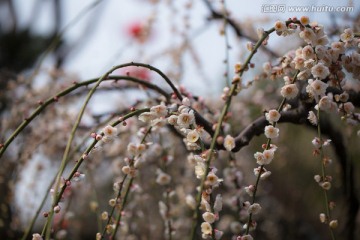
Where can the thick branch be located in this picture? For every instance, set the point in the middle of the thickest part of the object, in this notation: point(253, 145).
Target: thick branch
point(256, 128)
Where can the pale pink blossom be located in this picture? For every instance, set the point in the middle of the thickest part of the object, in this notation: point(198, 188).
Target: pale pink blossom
point(229, 143)
point(271, 131)
point(272, 116)
point(347, 35)
point(209, 217)
point(289, 91)
point(320, 71)
point(280, 26)
point(254, 208)
point(312, 118)
point(206, 228)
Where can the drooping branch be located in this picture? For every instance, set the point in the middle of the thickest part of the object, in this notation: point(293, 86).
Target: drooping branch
point(51, 100)
point(348, 178)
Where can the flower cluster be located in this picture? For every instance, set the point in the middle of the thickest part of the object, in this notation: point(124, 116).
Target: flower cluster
point(320, 77)
point(324, 180)
point(210, 215)
point(262, 158)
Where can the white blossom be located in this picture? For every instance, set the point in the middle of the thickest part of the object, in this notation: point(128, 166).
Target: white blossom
point(218, 203)
point(272, 116)
point(308, 35)
point(271, 131)
point(36, 236)
point(333, 224)
point(206, 228)
point(280, 26)
point(347, 36)
point(162, 178)
point(326, 104)
point(159, 110)
point(317, 87)
point(190, 201)
point(185, 119)
point(247, 237)
point(186, 102)
point(322, 217)
point(209, 217)
point(163, 209)
point(268, 156)
point(259, 158)
point(320, 71)
point(192, 136)
point(312, 118)
point(147, 117)
point(254, 208)
point(172, 120)
point(289, 91)
point(308, 52)
point(110, 131)
point(212, 179)
point(229, 143)
point(200, 169)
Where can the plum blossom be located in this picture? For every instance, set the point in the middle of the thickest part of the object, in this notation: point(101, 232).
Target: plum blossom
point(347, 35)
point(229, 143)
point(308, 35)
point(289, 91)
point(280, 26)
point(316, 88)
point(110, 131)
point(192, 136)
point(271, 131)
point(218, 203)
point(206, 228)
point(209, 217)
point(36, 236)
point(312, 118)
point(320, 71)
point(185, 119)
point(159, 110)
point(254, 208)
point(272, 116)
point(162, 178)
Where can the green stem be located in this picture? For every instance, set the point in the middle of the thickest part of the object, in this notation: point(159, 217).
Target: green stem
point(57, 197)
point(96, 197)
point(220, 121)
point(32, 222)
point(127, 190)
point(323, 173)
point(268, 143)
point(69, 143)
point(118, 219)
point(113, 208)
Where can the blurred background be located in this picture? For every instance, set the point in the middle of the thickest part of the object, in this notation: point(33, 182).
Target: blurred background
point(46, 45)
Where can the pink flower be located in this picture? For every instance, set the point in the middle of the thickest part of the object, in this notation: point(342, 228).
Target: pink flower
point(138, 31)
point(320, 71)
